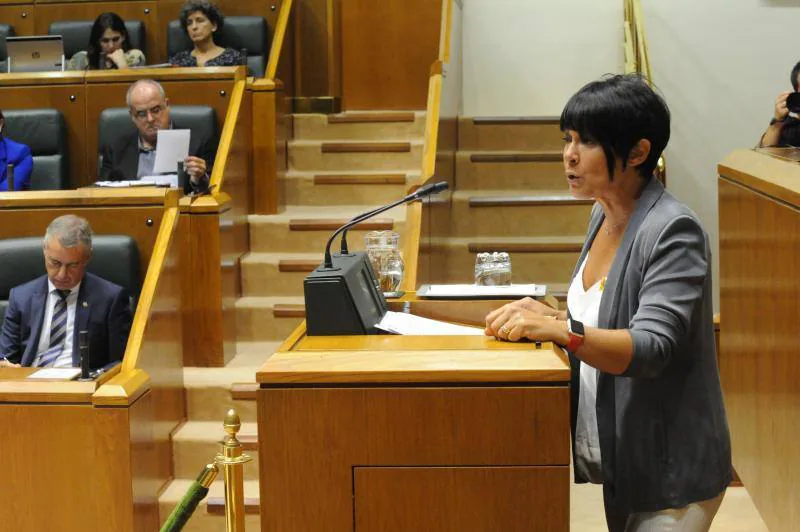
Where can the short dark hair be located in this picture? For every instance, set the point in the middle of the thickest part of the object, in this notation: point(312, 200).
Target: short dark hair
point(793, 76)
point(212, 13)
point(103, 22)
point(617, 112)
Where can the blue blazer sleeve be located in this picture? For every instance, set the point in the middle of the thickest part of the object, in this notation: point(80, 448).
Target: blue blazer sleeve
point(20, 156)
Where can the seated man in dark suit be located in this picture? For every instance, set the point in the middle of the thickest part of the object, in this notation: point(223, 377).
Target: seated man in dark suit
point(45, 315)
point(133, 156)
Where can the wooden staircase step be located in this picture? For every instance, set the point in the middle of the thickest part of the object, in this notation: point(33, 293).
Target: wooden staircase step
point(522, 201)
point(288, 310)
point(373, 224)
point(291, 265)
point(525, 247)
point(366, 147)
point(355, 118)
point(216, 505)
point(360, 179)
point(517, 157)
point(515, 120)
point(244, 391)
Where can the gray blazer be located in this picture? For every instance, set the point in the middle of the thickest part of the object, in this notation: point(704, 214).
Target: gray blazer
point(664, 437)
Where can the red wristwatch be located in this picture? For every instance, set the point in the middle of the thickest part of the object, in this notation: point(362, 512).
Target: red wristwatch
point(576, 332)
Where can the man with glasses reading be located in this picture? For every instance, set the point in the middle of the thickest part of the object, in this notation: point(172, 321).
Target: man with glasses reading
point(44, 316)
point(133, 156)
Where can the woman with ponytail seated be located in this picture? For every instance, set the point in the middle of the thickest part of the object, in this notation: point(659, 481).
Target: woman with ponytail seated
point(200, 20)
point(108, 48)
point(14, 153)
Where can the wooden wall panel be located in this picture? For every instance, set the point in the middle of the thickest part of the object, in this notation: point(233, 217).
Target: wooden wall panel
point(454, 499)
point(387, 51)
point(759, 364)
point(147, 12)
point(21, 17)
point(317, 59)
point(132, 221)
point(70, 100)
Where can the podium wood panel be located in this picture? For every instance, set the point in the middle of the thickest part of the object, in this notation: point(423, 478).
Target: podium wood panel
point(455, 499)
point(759, 365)
point(311, 438)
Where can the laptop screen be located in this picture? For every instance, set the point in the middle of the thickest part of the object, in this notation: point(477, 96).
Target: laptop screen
point(38, 53)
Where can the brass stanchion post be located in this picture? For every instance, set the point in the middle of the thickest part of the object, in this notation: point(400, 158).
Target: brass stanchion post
point(232, 461)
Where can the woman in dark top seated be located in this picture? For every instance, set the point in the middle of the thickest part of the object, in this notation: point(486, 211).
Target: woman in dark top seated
point(201, 20)
point(109, 47)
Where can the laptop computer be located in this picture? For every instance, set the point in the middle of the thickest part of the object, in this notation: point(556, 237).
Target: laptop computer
point(37, 53)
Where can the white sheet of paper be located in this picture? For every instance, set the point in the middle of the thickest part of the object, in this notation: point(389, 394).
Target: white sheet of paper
point(56, 373)
point(471, 290)
point(410, 325)
point(129, 183)
point(166, 180)
point(172, 146)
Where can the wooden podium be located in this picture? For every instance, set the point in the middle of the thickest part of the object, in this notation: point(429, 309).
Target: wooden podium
point(399, 433)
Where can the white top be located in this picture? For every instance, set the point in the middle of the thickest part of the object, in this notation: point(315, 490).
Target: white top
point(64, 359)
point(584, 306)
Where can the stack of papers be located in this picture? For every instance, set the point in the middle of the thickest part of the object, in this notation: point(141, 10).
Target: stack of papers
point(167, 180)
point(66, 374)
point(410, 325)
point(456, 291)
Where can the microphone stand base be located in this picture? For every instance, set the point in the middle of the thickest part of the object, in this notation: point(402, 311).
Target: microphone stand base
point(396, 294)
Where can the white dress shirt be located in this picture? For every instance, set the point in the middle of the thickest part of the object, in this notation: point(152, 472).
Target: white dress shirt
point(584, 306)
point(64, 359)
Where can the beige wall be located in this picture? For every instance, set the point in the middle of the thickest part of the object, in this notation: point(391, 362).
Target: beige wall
point(719, 63)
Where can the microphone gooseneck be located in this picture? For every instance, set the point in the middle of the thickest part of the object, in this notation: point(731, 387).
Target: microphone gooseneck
point(420, 193)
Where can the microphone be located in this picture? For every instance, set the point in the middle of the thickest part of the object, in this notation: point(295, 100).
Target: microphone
point(83, 346)
point(420, 193)
point(10, 177)
point(433, 188)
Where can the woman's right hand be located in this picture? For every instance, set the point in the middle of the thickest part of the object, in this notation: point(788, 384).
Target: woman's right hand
point(496, 318)
point(781, 109)
point(118, 58)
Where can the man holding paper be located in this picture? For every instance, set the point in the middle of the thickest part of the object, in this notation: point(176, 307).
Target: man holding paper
point(44, 316)
point(133, 157)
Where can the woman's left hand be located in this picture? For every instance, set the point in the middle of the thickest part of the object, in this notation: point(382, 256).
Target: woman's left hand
point(522, 323)
point(118, 58)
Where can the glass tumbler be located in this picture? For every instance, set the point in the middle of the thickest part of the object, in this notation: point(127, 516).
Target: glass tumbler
point(383, 250)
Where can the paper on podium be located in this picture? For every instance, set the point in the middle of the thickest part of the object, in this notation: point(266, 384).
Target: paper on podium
point(126, 183)
point(66, 374)
point(410, 325)
point(455, 291)
point(173, 146)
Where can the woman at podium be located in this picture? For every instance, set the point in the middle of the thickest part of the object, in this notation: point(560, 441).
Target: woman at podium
point(648, 417)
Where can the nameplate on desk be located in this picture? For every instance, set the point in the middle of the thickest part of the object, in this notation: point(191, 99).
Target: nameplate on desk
point(471, 291)
point(66, 374)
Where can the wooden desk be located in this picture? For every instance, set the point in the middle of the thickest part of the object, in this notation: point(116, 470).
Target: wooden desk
point(72, 465)
point(759, 224)
point(398, 433)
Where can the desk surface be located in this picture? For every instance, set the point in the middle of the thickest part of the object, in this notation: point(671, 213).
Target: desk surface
point(408, 359)
point(15, 387)
point(87, 196)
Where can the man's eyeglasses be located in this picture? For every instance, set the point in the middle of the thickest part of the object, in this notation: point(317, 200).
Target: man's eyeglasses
point(141, 114)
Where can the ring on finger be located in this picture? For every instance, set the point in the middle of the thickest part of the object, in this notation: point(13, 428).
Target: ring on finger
point(504, 329)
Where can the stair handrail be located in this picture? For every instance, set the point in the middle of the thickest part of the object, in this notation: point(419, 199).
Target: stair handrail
point(281, 28)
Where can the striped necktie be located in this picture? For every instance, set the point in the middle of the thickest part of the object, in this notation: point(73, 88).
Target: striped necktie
point(58, 330)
